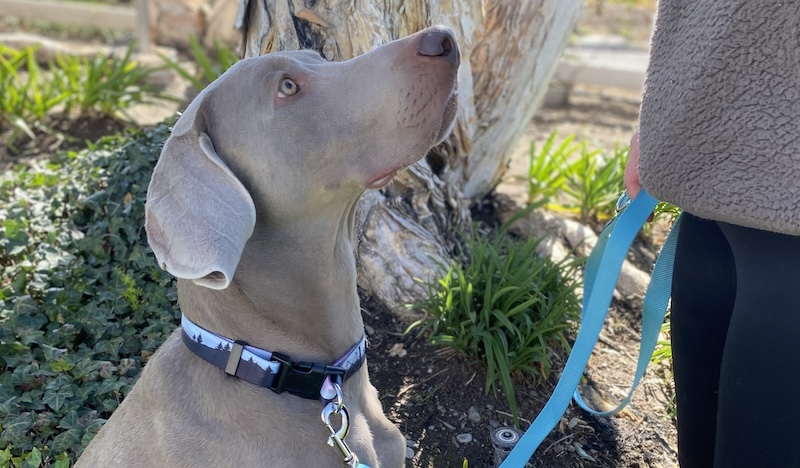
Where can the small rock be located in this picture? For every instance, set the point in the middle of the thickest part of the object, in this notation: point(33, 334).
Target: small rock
point(464, 438)
point(397, 350)
point(431, 427)
point(409, 453)
point(494, 424)
point(411, 443)
point(490, 407)
point(473, 415)
point(572, 423)
point(369, 330)
point(582, 453)
point(449, 426)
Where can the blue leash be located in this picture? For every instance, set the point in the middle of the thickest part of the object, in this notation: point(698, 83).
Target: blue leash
point(600, 278)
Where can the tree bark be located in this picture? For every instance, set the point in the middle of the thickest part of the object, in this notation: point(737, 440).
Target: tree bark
point(509, 49)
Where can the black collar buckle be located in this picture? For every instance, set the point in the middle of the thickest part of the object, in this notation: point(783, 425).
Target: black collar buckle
point(303, 379)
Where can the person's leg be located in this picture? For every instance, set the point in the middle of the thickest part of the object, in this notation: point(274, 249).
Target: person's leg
point(703, 293)
point(758, 413)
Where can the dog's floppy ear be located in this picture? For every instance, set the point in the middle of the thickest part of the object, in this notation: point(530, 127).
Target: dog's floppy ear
point(198, 215)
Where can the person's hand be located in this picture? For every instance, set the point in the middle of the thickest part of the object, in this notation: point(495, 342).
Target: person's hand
point(631, 177)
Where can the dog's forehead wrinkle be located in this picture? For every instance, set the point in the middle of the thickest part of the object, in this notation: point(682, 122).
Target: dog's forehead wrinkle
point(292, 62)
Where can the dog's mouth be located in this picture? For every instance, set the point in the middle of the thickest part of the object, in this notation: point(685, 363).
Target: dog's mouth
point(449, 117)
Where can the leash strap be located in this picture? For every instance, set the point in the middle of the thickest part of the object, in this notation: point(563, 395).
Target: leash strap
point(607, 257)
point(269, 369)
point(656, 302)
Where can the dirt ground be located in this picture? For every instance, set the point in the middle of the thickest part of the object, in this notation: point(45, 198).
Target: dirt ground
point(436, 397)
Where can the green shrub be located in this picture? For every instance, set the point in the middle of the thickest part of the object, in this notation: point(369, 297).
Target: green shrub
point(208, 68)
point(82, 302)
point(594, 182)
point(573, 178)
point(103, 85)
point(545, 168)
point(33, 99)
point(25, 96)
point(504, 306)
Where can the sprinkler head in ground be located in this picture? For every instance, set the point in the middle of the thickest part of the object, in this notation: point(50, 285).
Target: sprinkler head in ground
point(506, 437)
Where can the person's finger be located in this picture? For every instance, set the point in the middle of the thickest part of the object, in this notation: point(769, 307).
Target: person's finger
point(631, 176)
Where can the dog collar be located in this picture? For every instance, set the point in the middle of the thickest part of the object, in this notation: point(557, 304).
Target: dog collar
point(272, 370)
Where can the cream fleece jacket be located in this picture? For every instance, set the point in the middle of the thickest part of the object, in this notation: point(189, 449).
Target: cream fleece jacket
point(720, 118)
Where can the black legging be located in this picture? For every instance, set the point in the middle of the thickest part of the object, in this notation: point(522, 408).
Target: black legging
point(736, 346)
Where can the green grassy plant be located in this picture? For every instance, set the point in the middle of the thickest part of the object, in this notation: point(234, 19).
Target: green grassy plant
point(663, 354)
point(594, 182)
point(573, 178)
point(503, 306)
point(208, 68)
point(26, 96)
point(82, 302)
point(668, 210)
point(545, 175)
point(102, 85)
point(72, 87)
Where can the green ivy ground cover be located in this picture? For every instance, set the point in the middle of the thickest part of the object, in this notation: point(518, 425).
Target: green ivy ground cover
point(82, 302)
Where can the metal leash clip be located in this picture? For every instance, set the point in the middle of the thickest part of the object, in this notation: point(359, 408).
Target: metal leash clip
point(623, 201)
point(336, 440)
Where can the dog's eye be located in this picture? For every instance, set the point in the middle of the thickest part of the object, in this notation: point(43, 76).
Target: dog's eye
point(287, 88)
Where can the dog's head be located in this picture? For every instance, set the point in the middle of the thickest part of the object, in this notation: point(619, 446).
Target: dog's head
point(288, 136)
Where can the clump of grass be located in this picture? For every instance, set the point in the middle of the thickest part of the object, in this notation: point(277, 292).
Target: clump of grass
point(503, 306)
point(661, 354)
point(208, 68)
point(25, 96)
point(545, 168)
point(593, 183)
point(33, 99)
point(570, 177)
point(103, 85)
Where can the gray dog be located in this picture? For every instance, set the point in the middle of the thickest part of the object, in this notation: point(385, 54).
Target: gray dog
point(251, 207)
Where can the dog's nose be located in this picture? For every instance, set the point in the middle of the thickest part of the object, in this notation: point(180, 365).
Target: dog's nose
point(439, 42)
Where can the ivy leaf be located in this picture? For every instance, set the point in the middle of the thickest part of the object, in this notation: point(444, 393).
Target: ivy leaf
point(111, 384)
point(61, 366)
point(62, 461)
point(67, 440)
point(55, 398)
point(69, 421)
point(34, 459)
point(15, 429)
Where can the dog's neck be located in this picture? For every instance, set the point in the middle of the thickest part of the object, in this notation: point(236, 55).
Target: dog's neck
point(294, 291)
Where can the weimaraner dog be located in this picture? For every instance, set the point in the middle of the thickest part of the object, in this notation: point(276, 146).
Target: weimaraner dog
point(251, 207)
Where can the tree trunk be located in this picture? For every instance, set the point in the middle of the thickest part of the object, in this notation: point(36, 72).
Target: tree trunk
point(509, 49)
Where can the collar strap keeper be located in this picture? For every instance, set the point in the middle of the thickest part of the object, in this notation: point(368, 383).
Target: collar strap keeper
point(268, 369)
point(235, 357)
